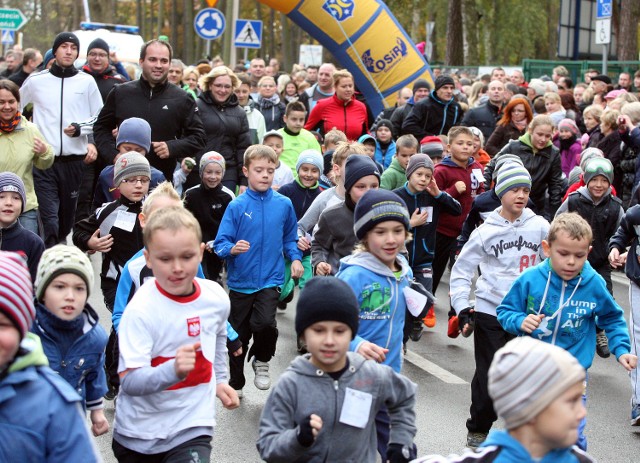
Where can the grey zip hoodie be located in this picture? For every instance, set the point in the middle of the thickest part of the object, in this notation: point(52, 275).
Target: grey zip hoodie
point(304, 389)
point(503, 250)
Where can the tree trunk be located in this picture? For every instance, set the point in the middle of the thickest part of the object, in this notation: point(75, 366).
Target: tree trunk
point(173, 35)
point(189, 41)
point(416, 27)
point(455, 53)
point(627, 39)
point(140, 16)
point(471, 40)
point(160, 18)
point(286, 38)
point(270, 27)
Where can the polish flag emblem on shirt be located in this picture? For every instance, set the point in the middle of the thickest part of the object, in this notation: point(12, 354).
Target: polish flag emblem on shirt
point(193, 326)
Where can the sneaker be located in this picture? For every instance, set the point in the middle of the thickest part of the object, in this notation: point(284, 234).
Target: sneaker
point(602, 345)
point(430, 319)
point(262, 380)
point(240, 393)
point(112, 393)
point(474, 439)
point(635, 416)
point(453, 330)
point(416, 330)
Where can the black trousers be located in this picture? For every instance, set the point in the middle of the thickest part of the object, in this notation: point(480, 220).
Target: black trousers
point(488, 337)
point(253, 316)
point(112, 351)
point(57, 189)
point(84, 208)
point(445, 247)
point(198, 449)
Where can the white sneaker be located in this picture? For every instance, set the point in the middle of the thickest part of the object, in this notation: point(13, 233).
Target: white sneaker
point(262, 380)
point(239, 392)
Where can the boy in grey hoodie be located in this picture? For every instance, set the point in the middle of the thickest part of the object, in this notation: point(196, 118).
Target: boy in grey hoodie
point(505, 245)
point(323, 408)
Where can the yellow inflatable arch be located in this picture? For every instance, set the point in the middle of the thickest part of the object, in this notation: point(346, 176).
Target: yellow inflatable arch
point(366, 39)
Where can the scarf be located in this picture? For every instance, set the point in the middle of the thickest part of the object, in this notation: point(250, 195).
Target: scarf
point(8, 127)
point(521, 126)
point(565, 143)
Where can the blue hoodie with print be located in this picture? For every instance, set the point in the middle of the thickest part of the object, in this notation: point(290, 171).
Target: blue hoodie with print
point(381, 301)
point(570, 309)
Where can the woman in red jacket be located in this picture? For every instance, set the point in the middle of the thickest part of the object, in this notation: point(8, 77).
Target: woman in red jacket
point(342, 111)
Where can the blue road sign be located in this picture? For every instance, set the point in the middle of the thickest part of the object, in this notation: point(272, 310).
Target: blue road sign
point(8, 37)
point(248, 34)
point(209, 23)
point(604, 9)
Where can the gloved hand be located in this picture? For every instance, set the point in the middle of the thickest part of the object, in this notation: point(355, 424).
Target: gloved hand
point(305, 433)
point(467, 321)
point(398, 453)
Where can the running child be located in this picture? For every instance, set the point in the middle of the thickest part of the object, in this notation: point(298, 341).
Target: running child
point(395, 175)
point(295, 137)
point(282, 175)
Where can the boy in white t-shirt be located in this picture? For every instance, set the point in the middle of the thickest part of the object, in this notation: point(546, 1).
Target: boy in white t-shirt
point(283, 175)
point(173, 350)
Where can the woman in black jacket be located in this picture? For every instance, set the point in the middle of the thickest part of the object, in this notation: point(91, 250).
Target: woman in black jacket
point(517, 116)
point(269, 103)
point(225, 125)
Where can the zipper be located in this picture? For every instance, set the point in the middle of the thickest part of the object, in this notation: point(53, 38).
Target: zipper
point(555, 330)
point(61, 112)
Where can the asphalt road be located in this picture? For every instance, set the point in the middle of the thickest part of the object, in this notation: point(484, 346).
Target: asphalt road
point(443, 369)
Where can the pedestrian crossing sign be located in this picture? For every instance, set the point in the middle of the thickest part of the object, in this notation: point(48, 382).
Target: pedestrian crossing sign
point(248, 34)
point(8, 37)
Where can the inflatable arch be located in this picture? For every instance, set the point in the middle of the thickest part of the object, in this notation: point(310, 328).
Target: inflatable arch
point(366, 39)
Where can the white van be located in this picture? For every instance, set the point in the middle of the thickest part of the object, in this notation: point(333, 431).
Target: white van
point(124, 40)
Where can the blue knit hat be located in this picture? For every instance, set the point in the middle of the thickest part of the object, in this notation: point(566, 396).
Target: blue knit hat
point(312, 157)
point(48, 56)
point(377, 206)
point(12, 183)
point(134, 130)
point(356, 167)
point(510, 176)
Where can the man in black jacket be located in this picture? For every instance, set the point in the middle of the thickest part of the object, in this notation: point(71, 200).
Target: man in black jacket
point(487, 115)
point(176, 128)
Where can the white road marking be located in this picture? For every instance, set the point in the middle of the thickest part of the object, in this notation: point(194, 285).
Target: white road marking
point(433, 369)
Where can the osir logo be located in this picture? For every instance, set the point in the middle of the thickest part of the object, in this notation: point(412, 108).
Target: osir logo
point(339, 9)
point(386, 62)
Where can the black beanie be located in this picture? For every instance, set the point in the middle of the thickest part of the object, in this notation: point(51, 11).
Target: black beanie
point(63, 37)
point(356, 167)
point(327, 299)
point(377, 206)
point(384, 123)
point(420, 83)
point(441, 81)
point(98, 43)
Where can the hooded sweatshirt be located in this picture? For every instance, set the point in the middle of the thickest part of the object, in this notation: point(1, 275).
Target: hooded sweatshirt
point(503, 249)
point(395, 176)
point(570, 309)
point(501, 447)
point(304, 389)
point(381, 300)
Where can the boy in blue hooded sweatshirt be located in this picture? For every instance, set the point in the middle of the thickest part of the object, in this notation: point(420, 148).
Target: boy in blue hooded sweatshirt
point(378, 275)
point(541, 422)
point(557, 301)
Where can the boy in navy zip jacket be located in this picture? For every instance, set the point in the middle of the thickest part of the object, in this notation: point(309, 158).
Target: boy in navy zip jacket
point(114, 230)
point(257, 228)
point(628, 234)
point(68, 327)
point(425, 201)
point(558, 300)
point(302, 192)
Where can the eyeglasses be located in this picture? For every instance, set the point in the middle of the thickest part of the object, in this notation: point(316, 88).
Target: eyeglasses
point(225, 87)
point(134, 181)
point(97, 55)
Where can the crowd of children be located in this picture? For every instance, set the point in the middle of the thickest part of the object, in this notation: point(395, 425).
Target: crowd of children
point(364, 230)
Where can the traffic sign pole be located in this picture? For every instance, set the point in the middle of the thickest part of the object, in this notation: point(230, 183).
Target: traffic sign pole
point(604, 9)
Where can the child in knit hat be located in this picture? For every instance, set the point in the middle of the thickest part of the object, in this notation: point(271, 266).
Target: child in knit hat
point(506, 244)
point(385, 146)
point(537, 390)
point(369, 143)
point(283, 175)
point(41, 415)
point(316, 428)
point(207, 202)
point(71, 335)
point(13, 236)
point(114, 230)
point(424, 200)
point(380, 276)
point(395, 175)
point(558, 300)
point(334, 238)
point(596, 203)
point(568, 141)
point(302, 192)
point(433, 147)
point(134, 134)
point(575, 178)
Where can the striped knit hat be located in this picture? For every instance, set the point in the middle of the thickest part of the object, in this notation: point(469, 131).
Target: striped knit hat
point(16, 291)
point(377, 206)
point(10, 182)
point(526, 375)
point(62, 259)
point(212, 157)
point(510, 176)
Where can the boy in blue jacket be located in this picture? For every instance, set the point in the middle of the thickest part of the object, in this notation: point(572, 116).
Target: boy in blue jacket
point(558, 300)
point(257, 228)
point(69, 329)
point(41, 417)
point(541, 422)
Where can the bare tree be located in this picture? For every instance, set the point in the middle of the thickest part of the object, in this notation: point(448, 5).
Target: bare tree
point(455, 50)
point(628, 30)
